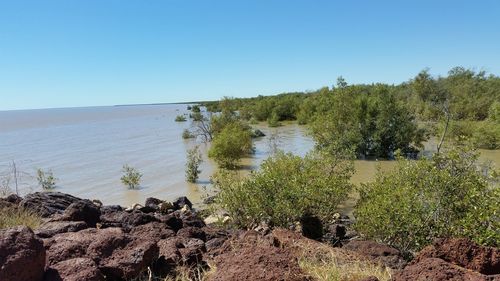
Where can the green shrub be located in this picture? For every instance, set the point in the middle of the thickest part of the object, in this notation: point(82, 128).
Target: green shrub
point(180, 118)
point(46, 179)
point(131, 177)
point(420, 200)
point(195, 108)
point(273, 121)
point(487, 135)
point(186, 134)
point(194, 159)
point(285, 188)
point(230, 145)
point(196, 116)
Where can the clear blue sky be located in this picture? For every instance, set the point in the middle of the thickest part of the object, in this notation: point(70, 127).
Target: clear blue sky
point(102, 52)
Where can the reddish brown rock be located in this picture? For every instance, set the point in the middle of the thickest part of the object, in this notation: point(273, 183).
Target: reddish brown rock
point(48, 203)
point(434, 269)
point(154, 231)
point(22, 255)
point(192, 232)
point(465, 253)
point(387, 255)
point(51, 228)
point(83, 210)
point(77, 269)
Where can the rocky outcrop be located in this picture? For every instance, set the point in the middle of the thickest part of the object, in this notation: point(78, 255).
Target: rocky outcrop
point(76, 269)
point(22, 256)
point(51, 228)
point(47, 204)
point(453, 259)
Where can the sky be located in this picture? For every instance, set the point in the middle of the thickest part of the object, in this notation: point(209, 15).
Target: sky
point(70, 53)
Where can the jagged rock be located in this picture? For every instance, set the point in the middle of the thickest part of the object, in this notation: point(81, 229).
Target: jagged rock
point(22, 255)
point(51, 228)
point(464, 253)
point(13, 198)
point(192, 232)
point(116, 253)
point(153, 231)
point(312, 227)
point(47, 204)
point(125, 219)
point(173, 220)
point(180, 202)
point(382, 253)
point(77, 269)
point(83, 210)
point(434, 269)
point(153, 202)
point(190, 218)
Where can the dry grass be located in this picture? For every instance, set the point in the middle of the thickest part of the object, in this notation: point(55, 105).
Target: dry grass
point(325, 263)
point(10, 217)
point(331, 269)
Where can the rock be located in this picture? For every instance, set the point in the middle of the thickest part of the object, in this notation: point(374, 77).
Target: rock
point(48, 203)
point(335, 234)
point(215, 243)
point(153, 231)
point(312, 227)
point(256, 133)
point(83, 210)
point(169, 250)
point(190, 218)
point(22, 255)
point(125, 219)
point(14, 199)
point(434, 269)
point(77, 269)
point(191, 232)
point(464, 253)
point(117, 254)
point(166, 207)
point(51, 228)
point(180, 202)
point(172, 220)
point(252, 258)
point(153, 202)
point(384, 254)
point(209, 200)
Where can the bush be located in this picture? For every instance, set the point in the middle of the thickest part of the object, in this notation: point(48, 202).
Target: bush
point(131, 177)
point(196, 116)
point(285, 188)
point(186, 134)
point(195, 108)
point(46, 179)
point(230, 145)
point(273, 121)
point(487, 135)
point(420, 200)
point(194, 159)
point(180, 118)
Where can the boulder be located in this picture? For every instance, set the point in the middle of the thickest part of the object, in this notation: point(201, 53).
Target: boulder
point(180, 202)
point(13, 198)
point(312, 227)
point(192, 232)
point(22, 255)
point(464, 253)
point(77, 269)
point(51, 228)
point(153, 202)
point(83, 210)
point(153, 231)
point(47, 204)
point(382, 253)
point(125, 219)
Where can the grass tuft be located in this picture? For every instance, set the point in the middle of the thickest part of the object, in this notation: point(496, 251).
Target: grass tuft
point(10, 217)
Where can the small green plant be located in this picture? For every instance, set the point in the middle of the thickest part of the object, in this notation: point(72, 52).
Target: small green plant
point(186, 134)
point(195, 108)
point(273, 121)
point(196, 116)
point(194, 159)
point(131, 177)
point(46, 179)
point(180, 118)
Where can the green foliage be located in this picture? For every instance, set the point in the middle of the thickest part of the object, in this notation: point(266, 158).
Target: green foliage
point(186, 134)
point(46, 179)
point(273, 121)
point(194, 159)
point(230, 144)
point(481, 134)
point(180, 118)
point(494, 112)
point(285, 188)
point(131, 177)
point(428, 198)
point(195, 108)
point(196, 116)
point(370, 121)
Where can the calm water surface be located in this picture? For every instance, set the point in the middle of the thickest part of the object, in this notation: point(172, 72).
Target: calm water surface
point(87, 147)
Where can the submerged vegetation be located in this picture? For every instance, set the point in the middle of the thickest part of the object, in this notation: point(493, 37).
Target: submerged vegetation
point(46, 179)
point(131, 177)
point(194, 159)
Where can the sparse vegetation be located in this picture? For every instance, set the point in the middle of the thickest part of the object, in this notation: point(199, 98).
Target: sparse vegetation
point(194, 159)
point(10, 217)
point(180, 118)
point(186, 134)
point(131, 177)
point(230, 145)
point(46, 179)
